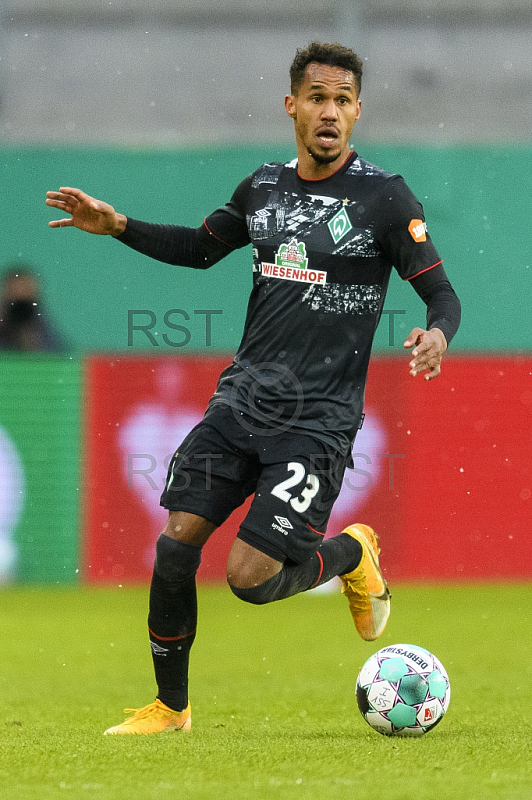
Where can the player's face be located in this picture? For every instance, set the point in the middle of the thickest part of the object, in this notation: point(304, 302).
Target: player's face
point(324, 111)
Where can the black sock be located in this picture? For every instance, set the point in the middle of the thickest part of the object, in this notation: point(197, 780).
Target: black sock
point(173, 618)
point(335, 556)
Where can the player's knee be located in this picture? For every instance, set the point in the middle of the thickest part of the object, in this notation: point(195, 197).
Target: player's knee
point(257, 595)
point(174, 560)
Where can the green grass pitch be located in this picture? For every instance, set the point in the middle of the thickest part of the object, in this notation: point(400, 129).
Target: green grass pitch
point(274, 710)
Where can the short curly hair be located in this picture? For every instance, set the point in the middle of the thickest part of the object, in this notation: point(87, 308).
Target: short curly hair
point(335, 55)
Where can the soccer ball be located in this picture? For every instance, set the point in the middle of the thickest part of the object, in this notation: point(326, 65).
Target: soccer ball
point(403, 690)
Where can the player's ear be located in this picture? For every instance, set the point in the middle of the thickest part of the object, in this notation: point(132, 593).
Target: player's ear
point(359, 109)
point(290, 106)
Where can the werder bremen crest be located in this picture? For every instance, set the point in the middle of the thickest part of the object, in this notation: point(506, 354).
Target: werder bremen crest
point(293, 254)
point(339, 225)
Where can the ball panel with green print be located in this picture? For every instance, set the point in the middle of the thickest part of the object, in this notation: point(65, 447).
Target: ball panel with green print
point(413, 689)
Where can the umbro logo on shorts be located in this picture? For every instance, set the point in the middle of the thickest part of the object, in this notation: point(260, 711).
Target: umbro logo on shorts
point(284, 523)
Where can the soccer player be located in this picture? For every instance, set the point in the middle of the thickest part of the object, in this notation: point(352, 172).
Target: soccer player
point(326, 230)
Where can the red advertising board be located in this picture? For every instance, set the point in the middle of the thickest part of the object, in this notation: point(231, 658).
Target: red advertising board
point(467, 508)
point(138, 410)
point(442, 469)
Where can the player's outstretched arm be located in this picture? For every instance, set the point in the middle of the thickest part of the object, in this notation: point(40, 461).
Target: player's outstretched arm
point(86, 213)
point(429, 347)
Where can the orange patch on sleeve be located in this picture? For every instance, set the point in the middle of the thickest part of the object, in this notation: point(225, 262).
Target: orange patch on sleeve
point(418, 230)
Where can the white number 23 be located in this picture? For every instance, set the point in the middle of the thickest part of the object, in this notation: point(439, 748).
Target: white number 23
point(309, 491)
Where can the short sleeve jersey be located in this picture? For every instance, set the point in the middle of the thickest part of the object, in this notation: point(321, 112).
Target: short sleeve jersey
point(323, 252)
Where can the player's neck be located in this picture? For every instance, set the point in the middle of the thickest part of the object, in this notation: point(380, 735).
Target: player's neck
point(311, 170)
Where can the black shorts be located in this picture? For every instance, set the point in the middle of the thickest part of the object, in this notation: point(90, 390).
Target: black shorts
point(295, 478)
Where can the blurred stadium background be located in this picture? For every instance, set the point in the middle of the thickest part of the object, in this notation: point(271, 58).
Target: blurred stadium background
point(161, 108)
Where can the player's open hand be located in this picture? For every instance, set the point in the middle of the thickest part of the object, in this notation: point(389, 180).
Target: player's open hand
point(429, 347)
point(86, 213)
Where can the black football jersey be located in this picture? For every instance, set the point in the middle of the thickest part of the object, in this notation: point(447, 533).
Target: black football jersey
point(322, 256)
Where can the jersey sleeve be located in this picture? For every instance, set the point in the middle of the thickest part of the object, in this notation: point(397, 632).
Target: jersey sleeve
point(401, 230)
point(222, 231)
point(443, 306)
point(228, 223)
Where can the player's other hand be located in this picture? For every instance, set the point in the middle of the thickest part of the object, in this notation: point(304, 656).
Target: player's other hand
point(429, 347)
point(86, 213)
